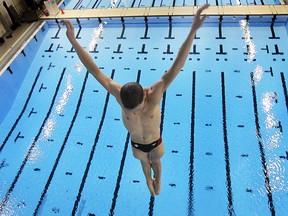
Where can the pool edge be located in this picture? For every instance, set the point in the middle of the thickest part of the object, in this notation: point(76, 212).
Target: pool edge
point(16, 48)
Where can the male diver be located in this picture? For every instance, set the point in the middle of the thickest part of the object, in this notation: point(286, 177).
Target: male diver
point(141, 106)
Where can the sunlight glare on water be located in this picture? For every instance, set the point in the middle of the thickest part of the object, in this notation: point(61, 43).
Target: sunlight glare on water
point(65, 96)
point(249, 42)
point(277, 175)
point(275, 165)
point(36, 154)
point(273, 136)
point(257, 74)
point(267, 103)
point(14, 207)
point(96, 36)
point(244, 25)
point(78, 67)
point(51, 122)
point(251, 50)
point(113, 3)
point(49, 127)
point(271, 123)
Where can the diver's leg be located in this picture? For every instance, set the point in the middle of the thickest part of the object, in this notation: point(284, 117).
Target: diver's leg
point(155, 157)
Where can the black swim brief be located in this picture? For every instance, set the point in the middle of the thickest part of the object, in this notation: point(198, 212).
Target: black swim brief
point(147, 147)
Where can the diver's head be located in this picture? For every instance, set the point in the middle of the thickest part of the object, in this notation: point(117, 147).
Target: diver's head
point(132, 96)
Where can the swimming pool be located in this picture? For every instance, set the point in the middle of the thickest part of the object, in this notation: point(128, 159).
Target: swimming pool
point(64, 150)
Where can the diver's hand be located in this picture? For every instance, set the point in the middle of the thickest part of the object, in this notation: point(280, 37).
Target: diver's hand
point(70, 29)
point(198, 19)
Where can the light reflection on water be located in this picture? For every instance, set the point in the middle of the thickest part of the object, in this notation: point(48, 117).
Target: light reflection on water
point(113, 3)
point(251, 50)
point(271, 123)
point(37, 153)
point(51, 122)
point(14, 207)
point(276, 174)
point(78, 67)
point(248, 40)
point(65, 96)
point(276, 168)
point(257, 74)
point(96, 36)
point(267, 104)
point(49, 127)
point(272, 141)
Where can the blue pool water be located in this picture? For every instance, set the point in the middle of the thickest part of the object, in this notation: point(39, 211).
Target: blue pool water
point(64, 150)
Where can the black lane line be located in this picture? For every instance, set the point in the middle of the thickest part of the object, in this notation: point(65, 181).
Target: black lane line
point(6, 198)
point(118, 5)
point(133, 3)
point(226, 147)
point(152, 199)
point(139, 4)
point(174, 3)
point(22, 112)
point(261, 148)
point(284, 89)
point(62, 147)
point(95, 4)
point(57, 33)
point(191, 209)
point(77, 4)
point(76, 203)
point(117, 187)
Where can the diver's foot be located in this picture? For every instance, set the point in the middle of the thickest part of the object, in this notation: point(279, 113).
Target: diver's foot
point(150, 184)
point(157, 187)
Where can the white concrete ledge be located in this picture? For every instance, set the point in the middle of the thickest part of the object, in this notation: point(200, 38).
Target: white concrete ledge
point(172, 11)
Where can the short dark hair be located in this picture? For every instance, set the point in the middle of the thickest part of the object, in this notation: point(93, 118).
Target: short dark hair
point(132, 95)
